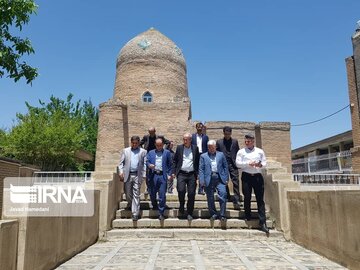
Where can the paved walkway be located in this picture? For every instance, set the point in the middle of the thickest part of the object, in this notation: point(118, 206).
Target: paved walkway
point(162, 253)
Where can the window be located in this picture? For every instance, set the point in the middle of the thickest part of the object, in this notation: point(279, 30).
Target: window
point(147, 97)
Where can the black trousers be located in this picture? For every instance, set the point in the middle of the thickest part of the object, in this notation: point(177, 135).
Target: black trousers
point(256, 182)
point(234, 176)
point(186, 182)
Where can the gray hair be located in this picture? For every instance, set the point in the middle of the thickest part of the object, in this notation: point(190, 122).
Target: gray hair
point(187, 135)
point(212, 142)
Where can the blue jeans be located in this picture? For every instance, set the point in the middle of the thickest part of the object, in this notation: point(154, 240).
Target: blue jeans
point(220, 187)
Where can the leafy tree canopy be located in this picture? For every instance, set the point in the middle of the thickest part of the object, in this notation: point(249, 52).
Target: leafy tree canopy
point(50, 135)
point(13, 15)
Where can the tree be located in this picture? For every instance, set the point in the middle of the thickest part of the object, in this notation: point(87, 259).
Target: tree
point(50, 135)
point(13, 15)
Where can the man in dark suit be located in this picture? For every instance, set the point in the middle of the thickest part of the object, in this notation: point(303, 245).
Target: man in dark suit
point(230, 147)
point(214, 175)
point(159, 164)
point(200, 140)
point(185, 168)
point(148, 141)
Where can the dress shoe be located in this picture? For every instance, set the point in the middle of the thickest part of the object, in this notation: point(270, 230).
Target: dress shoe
point(201, 192)
point(214, 217)
point(161, 217)
point(128, 208)
point(223, 219)
point(264, 228)
point(237, 205)
point(155, 208)
point(135, 218)
point(189, 217)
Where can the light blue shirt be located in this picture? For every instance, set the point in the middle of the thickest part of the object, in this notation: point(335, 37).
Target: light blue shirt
point(134, 162)
point(158, 160)
point(213, 163)
point(188, 163)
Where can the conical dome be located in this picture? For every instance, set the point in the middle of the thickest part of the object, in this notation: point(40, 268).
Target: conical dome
point(150, 64)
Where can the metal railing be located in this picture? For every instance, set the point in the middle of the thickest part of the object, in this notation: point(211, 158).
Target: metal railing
point(62, 177)
point(330, 163)
point(327, 179)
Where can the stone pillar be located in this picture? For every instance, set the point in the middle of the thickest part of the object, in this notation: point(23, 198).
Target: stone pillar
point(354, 112)
point(112, 135)
point(275, 141)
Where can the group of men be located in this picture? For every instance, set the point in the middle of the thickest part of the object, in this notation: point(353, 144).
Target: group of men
point(209, 162)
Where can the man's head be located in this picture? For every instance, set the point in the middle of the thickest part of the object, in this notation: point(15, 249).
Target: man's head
point(187, 139)
point(249, 141)
point(135, 142)
point(212, 146)
point(199, 127)
point(152, 131)
point(227, 132)
point(159, 144)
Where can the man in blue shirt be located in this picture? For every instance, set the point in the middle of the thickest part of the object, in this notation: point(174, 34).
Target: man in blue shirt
point(159, 164)
point(214, 174)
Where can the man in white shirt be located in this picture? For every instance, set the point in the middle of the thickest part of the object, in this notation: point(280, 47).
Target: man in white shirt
point(251, 160)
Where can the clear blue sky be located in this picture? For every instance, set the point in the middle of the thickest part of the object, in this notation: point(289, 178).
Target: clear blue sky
point(280, 60)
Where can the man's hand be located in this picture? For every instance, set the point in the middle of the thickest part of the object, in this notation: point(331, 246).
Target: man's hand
point(170, 177)
point(121, 175)
point(152, 166)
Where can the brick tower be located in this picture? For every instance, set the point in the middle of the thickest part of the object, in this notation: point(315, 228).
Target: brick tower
point(353, 74)
point(150, 90)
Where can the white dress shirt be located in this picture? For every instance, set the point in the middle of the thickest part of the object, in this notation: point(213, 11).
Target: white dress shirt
point(245, 156)
point(199, 139)
point(188, 162)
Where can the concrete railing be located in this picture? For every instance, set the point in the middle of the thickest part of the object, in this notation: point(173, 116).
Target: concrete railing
point(8, 244)
point(327, 221)
point(45, 242)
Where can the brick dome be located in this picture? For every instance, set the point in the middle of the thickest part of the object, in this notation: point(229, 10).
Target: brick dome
point(150, 64)
point(151, 45)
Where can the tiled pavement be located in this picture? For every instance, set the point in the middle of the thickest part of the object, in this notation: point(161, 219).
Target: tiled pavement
point(173, 253)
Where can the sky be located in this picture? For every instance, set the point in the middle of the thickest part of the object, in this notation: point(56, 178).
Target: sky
point(256, 61)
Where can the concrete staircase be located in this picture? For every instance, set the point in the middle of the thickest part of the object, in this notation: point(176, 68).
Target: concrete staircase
point(149, 217)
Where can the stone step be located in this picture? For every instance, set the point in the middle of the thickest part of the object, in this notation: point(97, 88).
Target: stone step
point(184, 223)
point(174, 197)
point(174, 213)
point(273, 164)
point(276, 170)
point(282, 176)
point(185, 234)
point(105, 168)
point(98, 175)
point(145, 205)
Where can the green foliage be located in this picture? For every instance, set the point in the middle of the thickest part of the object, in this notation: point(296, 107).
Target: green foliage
point(49, 135)
point(13, 15)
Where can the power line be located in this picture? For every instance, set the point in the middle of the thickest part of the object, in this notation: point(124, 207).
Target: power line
point(312, 122)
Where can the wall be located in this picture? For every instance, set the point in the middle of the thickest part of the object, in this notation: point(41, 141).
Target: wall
point(8, 244)
point(275, 141)
point(45, 242)
point(327, 222)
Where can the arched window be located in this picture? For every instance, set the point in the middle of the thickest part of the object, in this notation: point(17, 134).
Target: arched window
point(147, 97)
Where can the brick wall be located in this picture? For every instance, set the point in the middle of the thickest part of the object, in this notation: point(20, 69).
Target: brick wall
point(12, 168)
point(275, 141)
